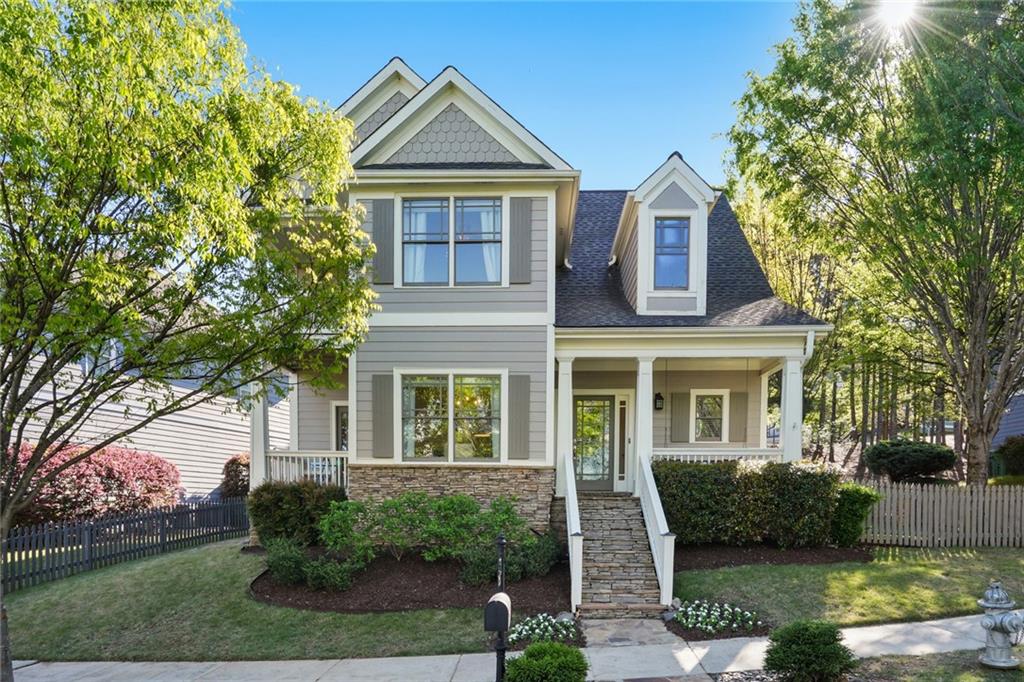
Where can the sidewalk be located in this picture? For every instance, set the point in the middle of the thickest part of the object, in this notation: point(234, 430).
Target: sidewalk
point(615, 658)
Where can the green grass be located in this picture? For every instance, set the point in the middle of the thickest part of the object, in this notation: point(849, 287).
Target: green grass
point(960, 666)
point(899, 585)
point(193, 605)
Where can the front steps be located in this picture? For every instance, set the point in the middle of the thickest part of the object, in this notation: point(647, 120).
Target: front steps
point(618, 571)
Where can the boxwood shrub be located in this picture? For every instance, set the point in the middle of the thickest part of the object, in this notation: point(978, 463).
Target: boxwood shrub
point(852, 509)
point(547, 662)
point(790, 505)
point(291, 510)
point(904, 460)
point(808, 651)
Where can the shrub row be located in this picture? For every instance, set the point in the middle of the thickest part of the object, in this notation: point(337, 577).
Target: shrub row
point(909, 461)
point(291, 510)
point(789, 505)
point(289, 562)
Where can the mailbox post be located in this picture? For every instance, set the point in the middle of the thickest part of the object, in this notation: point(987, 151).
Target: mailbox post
point(498, 613)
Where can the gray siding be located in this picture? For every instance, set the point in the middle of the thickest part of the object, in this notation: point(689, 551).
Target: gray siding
point(530, 297)
point(674, 196)
point(519, 349)
point(737, 381)
point(628, 268)
point(383, 113)
point(1012, 423)
point(314, 413)
point(452, 137)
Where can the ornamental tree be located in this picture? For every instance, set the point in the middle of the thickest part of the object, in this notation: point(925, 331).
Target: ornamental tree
point(169, 217)
point(906, 143)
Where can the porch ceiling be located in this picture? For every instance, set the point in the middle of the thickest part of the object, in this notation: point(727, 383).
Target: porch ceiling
point(620, 364)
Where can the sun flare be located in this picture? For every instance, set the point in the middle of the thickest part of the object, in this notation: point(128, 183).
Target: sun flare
point(895, 14)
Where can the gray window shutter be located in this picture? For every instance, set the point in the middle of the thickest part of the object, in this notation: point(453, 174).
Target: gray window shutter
point(737, 417)
point(520, 240)
point(519, 416)
point(679, 403)
point(383, 233)
point(383, 416)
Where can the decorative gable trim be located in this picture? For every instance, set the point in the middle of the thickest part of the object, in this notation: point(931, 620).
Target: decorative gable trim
point(382, 113)
point(447, 88)
point(381, 96)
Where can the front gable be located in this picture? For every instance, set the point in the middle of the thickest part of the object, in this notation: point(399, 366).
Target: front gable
point(379, 98)
point(452, 137)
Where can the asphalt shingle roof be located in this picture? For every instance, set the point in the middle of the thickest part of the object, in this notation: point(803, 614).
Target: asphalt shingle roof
point(591, 295)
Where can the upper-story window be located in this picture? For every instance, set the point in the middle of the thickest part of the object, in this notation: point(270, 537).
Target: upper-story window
point(671, 253)
point(435, 230)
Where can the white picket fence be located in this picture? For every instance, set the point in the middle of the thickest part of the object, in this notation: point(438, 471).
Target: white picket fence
point(915, 515)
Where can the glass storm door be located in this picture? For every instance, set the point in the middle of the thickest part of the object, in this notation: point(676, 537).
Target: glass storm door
point(593, 441)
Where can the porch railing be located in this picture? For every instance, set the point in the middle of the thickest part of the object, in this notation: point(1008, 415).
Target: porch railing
point(663, 541)
point(574, 533)
point(325, 468)
point(708, 455)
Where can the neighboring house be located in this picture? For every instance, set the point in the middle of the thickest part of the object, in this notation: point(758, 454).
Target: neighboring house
point(536, 340)
point(1012, 422)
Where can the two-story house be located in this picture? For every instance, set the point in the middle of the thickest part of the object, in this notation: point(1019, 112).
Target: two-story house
point(541, 341)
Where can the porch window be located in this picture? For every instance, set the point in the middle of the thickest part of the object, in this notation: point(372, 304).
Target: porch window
point(709, 416)
point(447, 417)
point(671, 253)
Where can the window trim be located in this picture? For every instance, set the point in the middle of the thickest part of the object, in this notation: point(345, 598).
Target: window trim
point(450, 372)
point(654, 254)
point(699, 392)
point(334, 424)
point(691, 289)
point(399, 241)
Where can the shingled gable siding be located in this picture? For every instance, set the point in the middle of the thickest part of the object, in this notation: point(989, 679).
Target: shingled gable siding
point(522, 350)
point(531, 297)
point(452, 137)
point(382, 114)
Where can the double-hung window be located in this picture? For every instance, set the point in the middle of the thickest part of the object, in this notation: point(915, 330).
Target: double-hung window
point(671, 253)
point(709, 416)
point(452, 241)
point(448, 417)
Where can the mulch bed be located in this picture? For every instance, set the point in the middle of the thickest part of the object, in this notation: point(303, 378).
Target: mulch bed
point(412, 583)
point(695, 557)
point(695, 635)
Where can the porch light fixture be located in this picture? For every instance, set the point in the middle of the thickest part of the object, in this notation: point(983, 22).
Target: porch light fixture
point(659, 401)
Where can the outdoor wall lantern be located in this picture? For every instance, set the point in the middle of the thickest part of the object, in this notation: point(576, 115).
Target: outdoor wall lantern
point(659, 401)
point(498, 613)
point(1001, 625)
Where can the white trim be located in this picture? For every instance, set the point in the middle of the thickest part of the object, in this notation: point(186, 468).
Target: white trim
point(549, 396)
point(293, 411)
point(395, 67)
point(675, 165)
point(451, 77)
point(399, 372)
point(353, 385)
point(723, 331)
point(689, 291)
point(334, 424)
point(458, 319)
point(696, 393)
point(674, 352)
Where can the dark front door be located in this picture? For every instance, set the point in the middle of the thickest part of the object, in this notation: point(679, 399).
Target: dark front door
point(593, 441)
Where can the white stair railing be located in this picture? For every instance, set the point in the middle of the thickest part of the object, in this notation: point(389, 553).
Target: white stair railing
point(663, 541)
point(574, 533)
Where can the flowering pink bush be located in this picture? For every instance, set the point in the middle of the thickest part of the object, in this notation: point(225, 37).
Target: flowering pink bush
point(113, 480)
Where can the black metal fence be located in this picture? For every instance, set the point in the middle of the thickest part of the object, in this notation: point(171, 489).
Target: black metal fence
point(50, 551)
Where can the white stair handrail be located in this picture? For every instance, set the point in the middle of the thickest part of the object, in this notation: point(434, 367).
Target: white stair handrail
point(661, 539)
point(574, 533)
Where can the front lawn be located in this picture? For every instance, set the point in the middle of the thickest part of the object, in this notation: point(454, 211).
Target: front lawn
point(958, 666)
point(193, 605)
point(899, 585)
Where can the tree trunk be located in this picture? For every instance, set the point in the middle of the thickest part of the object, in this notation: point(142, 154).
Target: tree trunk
point(832, 424)
point(853, 399)
point(978, 440)
point(940, 400)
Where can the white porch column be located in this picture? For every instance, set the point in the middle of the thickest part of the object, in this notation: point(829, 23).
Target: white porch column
point(792, 417)
point(564, 430)
point(258, 438)
point(644, 411)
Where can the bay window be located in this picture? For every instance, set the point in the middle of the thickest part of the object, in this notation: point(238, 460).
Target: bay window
point(453, 241)
point(451, 417)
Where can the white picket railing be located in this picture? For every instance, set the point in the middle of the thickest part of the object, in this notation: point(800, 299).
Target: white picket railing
point(574, 533)
point(326, 468)
point(709, 455)
point(663, 541)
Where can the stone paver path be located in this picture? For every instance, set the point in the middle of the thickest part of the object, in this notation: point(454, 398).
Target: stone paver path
point(632, 651)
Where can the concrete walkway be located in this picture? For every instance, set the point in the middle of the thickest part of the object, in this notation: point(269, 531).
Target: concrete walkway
point(611, 656)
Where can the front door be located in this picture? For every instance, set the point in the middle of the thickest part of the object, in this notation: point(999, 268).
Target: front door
point(594, 441)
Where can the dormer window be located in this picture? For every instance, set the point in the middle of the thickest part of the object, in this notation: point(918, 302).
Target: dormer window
point(433, 230)
point(671, 253)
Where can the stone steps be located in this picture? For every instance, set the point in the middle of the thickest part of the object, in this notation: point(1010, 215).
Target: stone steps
point(618, 572)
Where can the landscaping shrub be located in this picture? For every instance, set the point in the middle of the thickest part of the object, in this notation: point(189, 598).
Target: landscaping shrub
point(397, 524)
point(114, 480)
point(790, 505)
point(344, 529)
point(502, 518)
point(235, 476)
point(286, 560)
point(808, 651)
point(852, 509)
point(451, 527)
point(291, 510)
point(901, 459)
point(326, 573)
point(1011, 452)
point(1006, 480)
point(548, 661)
point(531, 557)
point(699, 499)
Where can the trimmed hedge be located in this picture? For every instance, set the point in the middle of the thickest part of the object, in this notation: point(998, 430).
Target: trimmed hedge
point(909, 461)
point(1011, 453)
point(291, 510)
point(548, 662)
point(785, 504)
point(808, 651)
point(854, 505)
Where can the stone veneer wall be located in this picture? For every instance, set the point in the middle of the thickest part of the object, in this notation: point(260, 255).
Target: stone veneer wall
point(558, 525)
point(532, 487)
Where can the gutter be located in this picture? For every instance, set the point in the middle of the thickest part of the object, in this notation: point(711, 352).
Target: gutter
point(809, 332)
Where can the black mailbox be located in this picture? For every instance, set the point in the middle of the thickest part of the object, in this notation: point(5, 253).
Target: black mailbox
point(498, 613)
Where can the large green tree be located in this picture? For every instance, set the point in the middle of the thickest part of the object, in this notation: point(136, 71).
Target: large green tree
point(169, 216)
point(909, 138)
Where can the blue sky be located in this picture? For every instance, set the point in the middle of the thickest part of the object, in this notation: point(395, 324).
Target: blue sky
point(613, 88)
